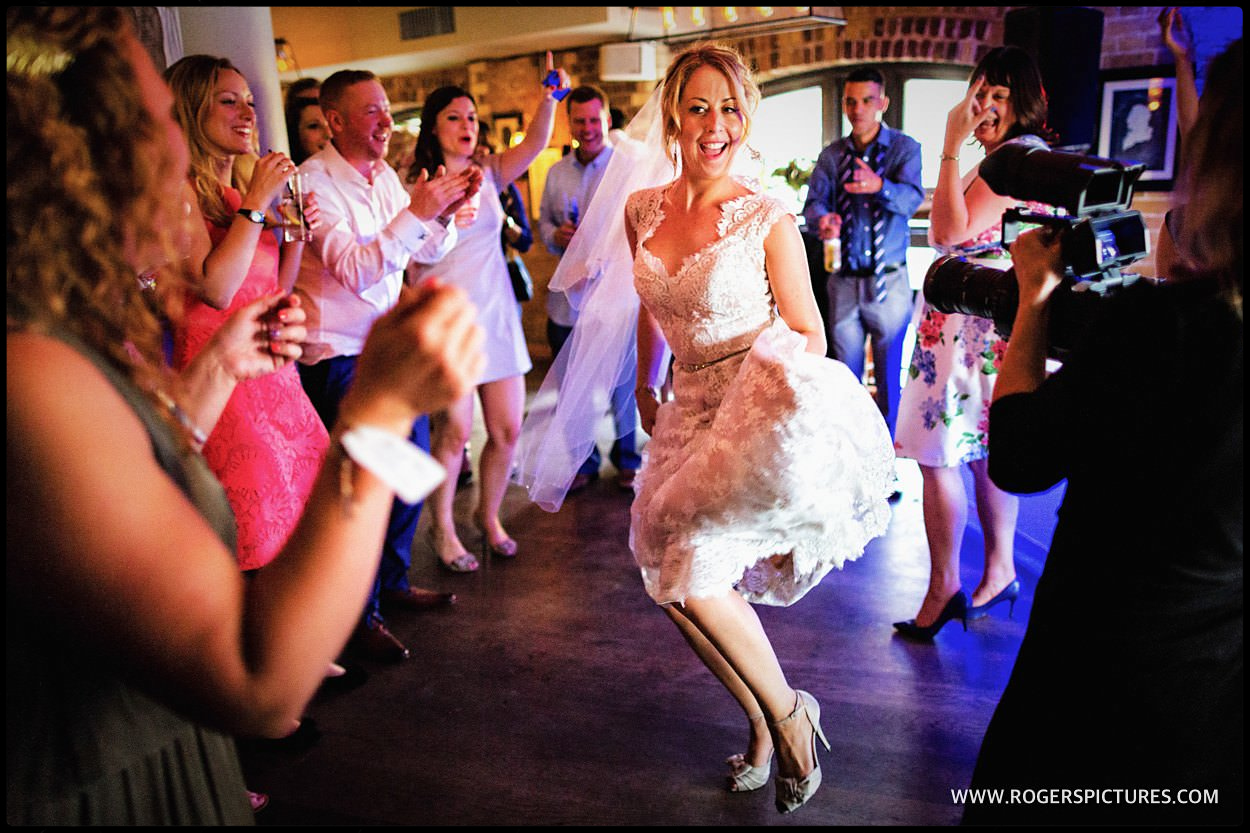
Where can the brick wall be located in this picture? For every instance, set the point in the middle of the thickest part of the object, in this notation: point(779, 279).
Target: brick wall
point(414, 88)
point(944, 34)
point(1130, 37)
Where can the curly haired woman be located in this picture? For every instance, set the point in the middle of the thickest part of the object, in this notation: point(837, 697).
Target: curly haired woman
point(134, 647)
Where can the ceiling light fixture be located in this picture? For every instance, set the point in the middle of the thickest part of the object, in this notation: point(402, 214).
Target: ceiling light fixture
point(687, 23)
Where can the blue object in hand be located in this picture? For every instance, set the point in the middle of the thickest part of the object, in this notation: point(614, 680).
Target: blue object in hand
point(553, 80)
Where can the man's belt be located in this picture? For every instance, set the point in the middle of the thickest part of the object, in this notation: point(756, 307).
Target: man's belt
point(860, 273)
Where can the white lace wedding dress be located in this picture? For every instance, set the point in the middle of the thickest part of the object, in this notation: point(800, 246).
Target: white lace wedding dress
point(771, 466)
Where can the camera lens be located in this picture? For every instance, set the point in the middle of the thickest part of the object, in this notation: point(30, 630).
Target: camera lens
point(954, 285)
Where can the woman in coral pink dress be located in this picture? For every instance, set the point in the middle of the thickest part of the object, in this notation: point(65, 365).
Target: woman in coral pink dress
point(269, 442)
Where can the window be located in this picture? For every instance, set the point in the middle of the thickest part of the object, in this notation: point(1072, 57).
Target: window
point(926, 102)
point(788, 127)
point(920, 97)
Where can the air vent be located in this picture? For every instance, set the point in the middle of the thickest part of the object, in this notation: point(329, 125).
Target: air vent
point(628, 62)
point(426, 22)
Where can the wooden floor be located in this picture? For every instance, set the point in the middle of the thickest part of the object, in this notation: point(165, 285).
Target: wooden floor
point(556, 693)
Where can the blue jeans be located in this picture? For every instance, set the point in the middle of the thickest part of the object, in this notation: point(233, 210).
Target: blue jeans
point(326, 382)
point(624, 453)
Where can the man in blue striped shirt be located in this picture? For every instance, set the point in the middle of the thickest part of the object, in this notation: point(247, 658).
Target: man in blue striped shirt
point(863, 190)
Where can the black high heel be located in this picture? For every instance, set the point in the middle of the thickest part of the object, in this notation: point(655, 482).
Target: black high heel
point(956, 608)
point(1008, 594)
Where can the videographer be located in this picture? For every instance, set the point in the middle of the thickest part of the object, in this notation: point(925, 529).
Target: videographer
point(1131, 671)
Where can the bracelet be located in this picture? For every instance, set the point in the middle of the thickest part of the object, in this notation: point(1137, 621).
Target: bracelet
point(197, 433)
point(946, 156)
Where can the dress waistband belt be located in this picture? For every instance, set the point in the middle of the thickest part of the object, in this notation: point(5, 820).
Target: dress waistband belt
point(690, 368)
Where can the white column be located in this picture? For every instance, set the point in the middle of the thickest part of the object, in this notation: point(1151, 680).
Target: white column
point(245, 36)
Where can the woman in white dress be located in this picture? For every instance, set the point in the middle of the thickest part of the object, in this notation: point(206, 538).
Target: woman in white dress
point(449, 138)
point(771, 465)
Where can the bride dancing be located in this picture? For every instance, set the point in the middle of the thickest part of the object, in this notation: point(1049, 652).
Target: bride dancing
point(771, 465)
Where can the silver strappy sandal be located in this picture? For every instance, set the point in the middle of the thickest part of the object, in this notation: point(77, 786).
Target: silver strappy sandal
point(793, 793)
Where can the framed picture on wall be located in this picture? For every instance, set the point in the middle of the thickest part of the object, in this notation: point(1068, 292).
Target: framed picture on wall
point(506, 126)
point(1137, 123)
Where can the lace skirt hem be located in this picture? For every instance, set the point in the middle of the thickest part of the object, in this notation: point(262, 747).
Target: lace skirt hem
point(765, 474)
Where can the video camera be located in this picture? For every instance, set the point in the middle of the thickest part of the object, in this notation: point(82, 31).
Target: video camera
point(1100, 237)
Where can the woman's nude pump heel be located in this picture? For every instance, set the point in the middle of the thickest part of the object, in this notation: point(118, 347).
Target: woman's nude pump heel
point(742, 776)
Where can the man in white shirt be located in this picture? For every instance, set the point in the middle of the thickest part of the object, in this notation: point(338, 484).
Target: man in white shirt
point(351, 274)
point(571, 184)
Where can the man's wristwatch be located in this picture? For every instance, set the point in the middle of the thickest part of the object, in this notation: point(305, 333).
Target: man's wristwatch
point(257, 217)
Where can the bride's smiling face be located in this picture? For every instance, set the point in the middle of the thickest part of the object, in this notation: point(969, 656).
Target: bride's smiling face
point(711, 123)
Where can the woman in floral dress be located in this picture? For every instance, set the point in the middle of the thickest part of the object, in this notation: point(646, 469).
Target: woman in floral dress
point(944, 408)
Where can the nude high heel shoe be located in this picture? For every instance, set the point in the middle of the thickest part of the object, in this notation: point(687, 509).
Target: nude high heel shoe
point(744, 777)
point(793, 793)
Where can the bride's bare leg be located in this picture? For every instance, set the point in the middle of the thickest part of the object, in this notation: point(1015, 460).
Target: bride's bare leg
point(733, 628)
point(760, 747)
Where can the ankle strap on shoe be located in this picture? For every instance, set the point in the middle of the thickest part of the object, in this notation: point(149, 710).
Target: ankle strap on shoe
point(799, 706)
